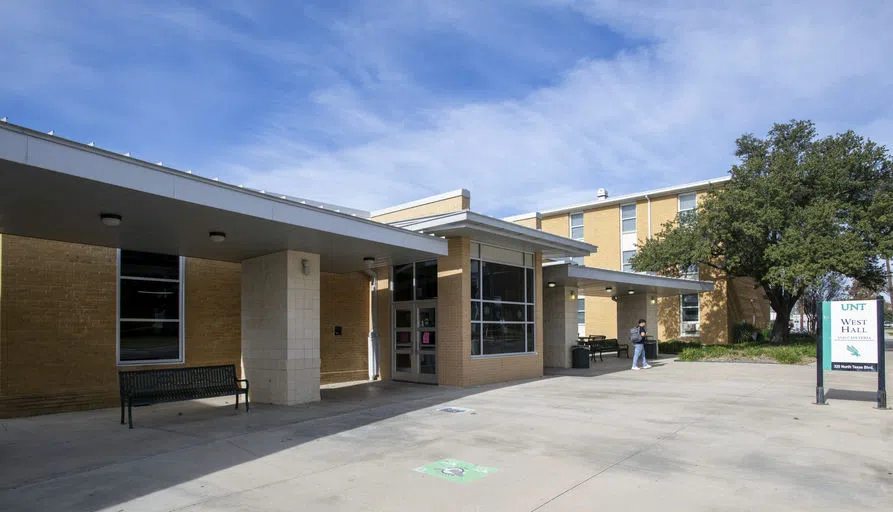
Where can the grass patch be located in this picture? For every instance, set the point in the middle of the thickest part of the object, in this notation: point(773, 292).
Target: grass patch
point(797, 352)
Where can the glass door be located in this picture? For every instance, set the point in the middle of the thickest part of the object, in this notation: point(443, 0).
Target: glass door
point(415, 342)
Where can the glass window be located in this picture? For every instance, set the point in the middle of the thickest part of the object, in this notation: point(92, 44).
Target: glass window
point(581, 311)
point(690, 272)
point(502, 282)
point(415, 281)
point(576, 226)
point(402, 283)
point(149, 308)
point(688, 204)
point(502, 307)
point(628, 218)
point(426, 280)
point(475, 279)
point(627, 256)
point(690, 306)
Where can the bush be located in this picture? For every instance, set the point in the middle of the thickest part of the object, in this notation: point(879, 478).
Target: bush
point(746, 333)
point(677, 346)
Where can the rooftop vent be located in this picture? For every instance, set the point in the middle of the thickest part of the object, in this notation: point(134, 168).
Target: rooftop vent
point(602, 194)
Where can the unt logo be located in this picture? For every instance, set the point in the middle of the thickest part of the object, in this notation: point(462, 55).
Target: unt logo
point(852, 307)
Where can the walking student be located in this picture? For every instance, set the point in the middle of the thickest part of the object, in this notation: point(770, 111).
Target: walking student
point(637, 336)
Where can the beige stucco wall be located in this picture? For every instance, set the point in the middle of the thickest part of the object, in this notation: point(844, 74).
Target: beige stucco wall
point(450, 204)
point(532, 223)
point(662, 210)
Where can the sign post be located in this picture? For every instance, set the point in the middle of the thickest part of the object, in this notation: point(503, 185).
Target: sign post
point(852, 339)
point(819, 352)
point(882, 359)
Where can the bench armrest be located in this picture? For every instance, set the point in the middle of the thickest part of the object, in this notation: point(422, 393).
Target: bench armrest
point(245, 381)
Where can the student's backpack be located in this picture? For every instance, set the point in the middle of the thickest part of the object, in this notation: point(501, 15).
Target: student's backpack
point(634, 335)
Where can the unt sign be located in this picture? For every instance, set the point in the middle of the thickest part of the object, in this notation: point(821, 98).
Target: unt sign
point(852, 340)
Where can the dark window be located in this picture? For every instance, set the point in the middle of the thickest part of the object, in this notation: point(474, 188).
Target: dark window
point(502, 308)
point(426, 280)
point(149, 308)
point(403, 283)
point(503, 282)
point(475, 279)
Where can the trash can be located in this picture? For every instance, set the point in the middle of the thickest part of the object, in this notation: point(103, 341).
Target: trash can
point(650, 349)
point(580, 356)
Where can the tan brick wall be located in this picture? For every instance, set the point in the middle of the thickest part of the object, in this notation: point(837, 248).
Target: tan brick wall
point(741, 292)
point(454, 313)
point(58, 327)
point(662, 210)
point(532, 223)
point(384, 323)
point(669, 317)
point(344, 301)
point(450, 204)
point(213, 312)
point(601, 317)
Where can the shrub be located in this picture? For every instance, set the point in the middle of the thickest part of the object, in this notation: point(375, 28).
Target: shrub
point(745, 333)
point(692, 354)
point(676, 346)
point(788, 355)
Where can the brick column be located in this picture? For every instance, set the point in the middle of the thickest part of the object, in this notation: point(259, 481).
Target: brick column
point(280, 327)
point(559, 326)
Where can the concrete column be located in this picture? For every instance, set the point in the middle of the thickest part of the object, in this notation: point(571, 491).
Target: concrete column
point(559, 326)
point(280, 327)
point(631, 308)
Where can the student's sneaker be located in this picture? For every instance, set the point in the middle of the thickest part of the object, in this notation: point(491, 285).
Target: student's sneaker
point(647, 366)
point(636, 368)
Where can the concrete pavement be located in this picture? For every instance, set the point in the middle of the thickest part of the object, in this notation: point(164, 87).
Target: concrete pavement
point(679, 436)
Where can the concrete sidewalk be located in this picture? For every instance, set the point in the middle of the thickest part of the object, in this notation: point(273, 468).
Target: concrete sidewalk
point(679, 436)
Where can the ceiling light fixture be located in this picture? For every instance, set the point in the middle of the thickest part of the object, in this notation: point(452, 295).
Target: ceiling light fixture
point(631, 292)
point(551, 284)
point(110, 219)
point(217, 236)
point(609, 289)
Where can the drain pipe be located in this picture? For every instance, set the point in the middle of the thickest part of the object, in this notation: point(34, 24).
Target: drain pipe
point(373, 343)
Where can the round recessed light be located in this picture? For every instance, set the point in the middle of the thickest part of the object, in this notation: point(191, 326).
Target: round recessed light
point(217, 236)
point(551, 284)
point(110, 219)
point(631, 292)
point(609, 289)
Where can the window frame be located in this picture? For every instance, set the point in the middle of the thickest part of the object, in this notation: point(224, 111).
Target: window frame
point(576, 260)
point(634, 217)
point(626, 267)
point(684, 215)
point(526, 306)
point(581, 302)
point(682, 321)
point(414, 283)
point(181, 317)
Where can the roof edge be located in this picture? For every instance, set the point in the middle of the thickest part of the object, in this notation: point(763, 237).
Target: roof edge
point(419, 202)
point(523, 216)
point(659, 192)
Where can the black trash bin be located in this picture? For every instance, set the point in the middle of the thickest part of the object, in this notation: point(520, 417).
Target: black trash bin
point(580, 356)
point(650, 349)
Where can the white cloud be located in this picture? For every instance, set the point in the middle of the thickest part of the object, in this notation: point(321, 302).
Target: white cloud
point(665, 113)
point(541, 117)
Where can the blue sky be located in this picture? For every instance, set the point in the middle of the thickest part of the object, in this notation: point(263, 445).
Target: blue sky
point(530, 104)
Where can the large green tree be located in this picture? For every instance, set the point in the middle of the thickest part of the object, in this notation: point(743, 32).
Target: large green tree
point(797, 208)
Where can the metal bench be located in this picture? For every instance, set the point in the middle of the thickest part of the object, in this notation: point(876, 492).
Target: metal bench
point(601, 346)
point(146, 387)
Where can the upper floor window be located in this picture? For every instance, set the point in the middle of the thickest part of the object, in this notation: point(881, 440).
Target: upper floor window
point(688, 207)
point(577, 226)
point(150, 308)
point(627, 256)
point(628, 218)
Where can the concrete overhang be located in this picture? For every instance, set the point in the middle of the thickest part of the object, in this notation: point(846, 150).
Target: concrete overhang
point(490, 230)
point(594, 282)
point(56, 189)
